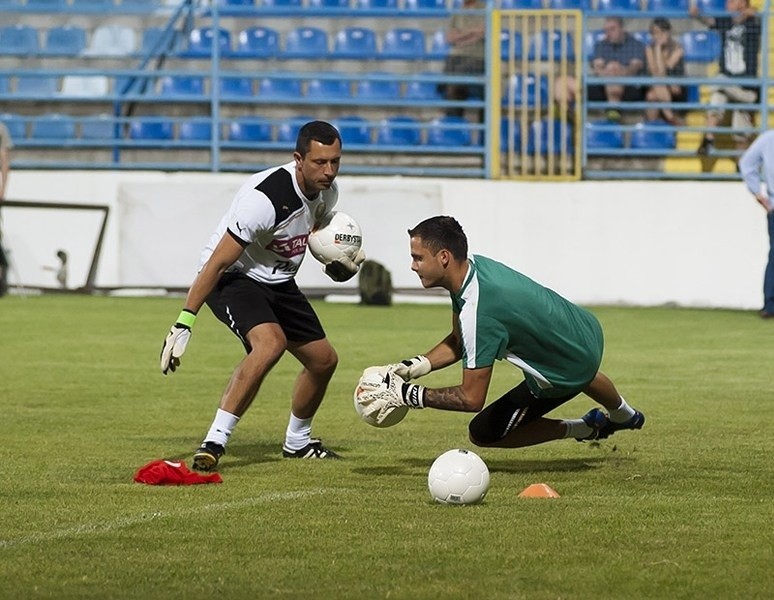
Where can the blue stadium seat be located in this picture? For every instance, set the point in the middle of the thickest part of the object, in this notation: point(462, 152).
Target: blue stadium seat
point(646, 137)
point(100, 127)
point(353, 130)
point(373, 4)
point(200, 42)
point(328, 89)
point(16, 125)
point(50, 6)
point(506, 39)
point(404, 43)
point(710, 6)
point(644, 36)
point(53, 126)
point(439, 47)
point(551, 134)
point(377, 89)
point(598, 139)
point(5, 84)
point(37, 86)
point(287, 132)
point(152, 129)
point(569, 4)
point(269, 87)
point(514, 129)
point(96, 5)
point(425, 4)
point(227, 3)
point(619, 6)
point(195, 131)
point(306, 42)
point(449, 131)
point(522, 90)
point(667, 6)
point(417, 89)
point(234, 88)
point(257, 42)
point(19, 40)
point(591, 39)
point(281, 3)
point(182, 85)
point(250, 130)
point(399, 131)
point(355, 42)
point(555, 45)
point(157, 41)
point(521, 4)
point(701, 46)
point(67, 40)
point(328, 3)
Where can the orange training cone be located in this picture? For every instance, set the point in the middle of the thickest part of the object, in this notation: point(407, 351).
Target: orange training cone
point(538, 490)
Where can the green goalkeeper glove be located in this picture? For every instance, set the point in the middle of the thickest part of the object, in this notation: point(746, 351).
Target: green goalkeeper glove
point(176, 341)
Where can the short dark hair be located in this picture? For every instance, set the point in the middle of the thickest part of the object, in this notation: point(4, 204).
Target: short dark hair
point(662, 23)
point(439, 233)
point(320, 131)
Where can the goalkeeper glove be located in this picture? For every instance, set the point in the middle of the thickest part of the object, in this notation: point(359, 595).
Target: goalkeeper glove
point(344, 268)
point(412, 368)
point(176, 341)
point(390, 394)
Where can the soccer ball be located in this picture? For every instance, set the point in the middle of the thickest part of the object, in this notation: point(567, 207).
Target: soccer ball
point(340, 236)
point(458, 477)
point(370, 380)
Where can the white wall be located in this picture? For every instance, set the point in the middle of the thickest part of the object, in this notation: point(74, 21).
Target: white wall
point(644, 243)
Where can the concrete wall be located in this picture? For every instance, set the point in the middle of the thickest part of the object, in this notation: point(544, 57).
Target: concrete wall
point(640, 242)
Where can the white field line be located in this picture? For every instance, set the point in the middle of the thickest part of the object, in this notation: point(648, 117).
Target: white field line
point(128, 521)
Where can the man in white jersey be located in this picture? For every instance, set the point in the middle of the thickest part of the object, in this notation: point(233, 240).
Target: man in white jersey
point(247, 278)
point(501, 314)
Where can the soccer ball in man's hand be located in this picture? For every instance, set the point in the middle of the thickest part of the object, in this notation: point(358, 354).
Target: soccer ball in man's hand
point(458, 477)
point(372, 378)
point(339, 236)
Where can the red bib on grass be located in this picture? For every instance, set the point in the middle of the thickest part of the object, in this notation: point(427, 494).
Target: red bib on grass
point(170, 472)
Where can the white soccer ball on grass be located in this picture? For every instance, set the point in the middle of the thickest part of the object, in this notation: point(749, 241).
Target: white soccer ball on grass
point(371, 379)
point(458, 477)
point(340, 236)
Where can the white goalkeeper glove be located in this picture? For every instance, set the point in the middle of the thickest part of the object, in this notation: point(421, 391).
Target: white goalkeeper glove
point(392, 392)
point(412, 368)
point(344, 268)
point(176, 341)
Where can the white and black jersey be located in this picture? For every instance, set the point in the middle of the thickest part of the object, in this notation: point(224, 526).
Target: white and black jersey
point(271, 218)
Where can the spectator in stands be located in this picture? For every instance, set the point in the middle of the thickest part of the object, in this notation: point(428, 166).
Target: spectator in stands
point(757, 162)
point(740, 41)
point(665, 58)
point(6, 143)
point(465, 35)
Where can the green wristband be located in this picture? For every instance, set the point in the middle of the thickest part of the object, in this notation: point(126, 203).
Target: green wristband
point(186, 318)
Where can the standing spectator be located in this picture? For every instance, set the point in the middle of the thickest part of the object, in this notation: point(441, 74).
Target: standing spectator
point(740, 41)
point(465, 35)
point(665, 58)
point(6, 143)
point(757, 162)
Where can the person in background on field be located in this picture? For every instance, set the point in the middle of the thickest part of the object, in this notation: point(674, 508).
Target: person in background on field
point(665, 57)
point(247, 278)
point(465, 35)
point(498, 313)
point(757, 163)
point(6, 143)
point(740, 42)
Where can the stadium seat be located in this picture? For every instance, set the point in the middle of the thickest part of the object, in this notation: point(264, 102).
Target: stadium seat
point(328, 89)
point(200, 43)
point(158, 41)
point(667, 6)
point(287, 132)
point(155, 129)
point(376, 4)
point(355, 42)
point(99, 127)
point(181, 85)
point(399, 131)
point(37, 86)
point(701, 46)
point(376, 89)
point(67, 40)
point(234, 88)
point(425, 4)
point(591, 39)
point(417, 89)
point(552, 45)
point(112, 40)
point(521, 90)
point(269, 87)
point(5, 84)
point(328, 3)
point(49, 6)
point(53, 126)
point(569, 4)
point(353, 130)
point(195, 131)
point(646, 136)
point(85, 86)
point(619, 6)
point(404, 43)
point(644, 36)
point(549, 135)
point(521, 4)
point(598, 138)
point(306, 42)
point(16, 125)
point(449, 131)
point(514, 129)
point(710, 6)
point(19, 40)
point(257, 42)
point(281, 3)
point(250, 130)
point(439, 47)
point(227, 3)
point(510, 44)
point(96, 5)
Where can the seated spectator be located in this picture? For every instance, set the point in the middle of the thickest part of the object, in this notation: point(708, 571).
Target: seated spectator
point(740, 35)
point(465, 35)
point(665, 58)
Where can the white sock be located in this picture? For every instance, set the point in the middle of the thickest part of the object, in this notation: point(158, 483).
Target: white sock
point(577, 428)
point(298, 433)
point(221, 427)
point(621, 414)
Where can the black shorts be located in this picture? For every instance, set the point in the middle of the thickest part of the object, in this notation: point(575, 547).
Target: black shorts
point(631, 93)
point(242, 303)
point(514, 409)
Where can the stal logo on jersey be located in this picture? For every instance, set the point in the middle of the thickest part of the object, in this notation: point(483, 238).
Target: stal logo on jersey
point(288, 248)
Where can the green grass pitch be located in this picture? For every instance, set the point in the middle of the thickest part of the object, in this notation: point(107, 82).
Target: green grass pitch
point(681, 509)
